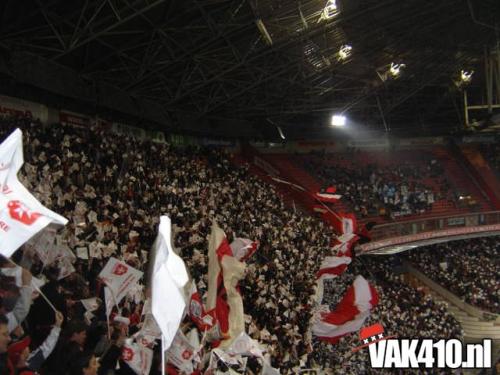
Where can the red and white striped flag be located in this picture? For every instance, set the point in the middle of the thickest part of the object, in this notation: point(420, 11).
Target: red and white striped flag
point(328, 195)
point(223, 298)
point(350, 313)
point(333, 266)
point(343, 245)
point(342, 223)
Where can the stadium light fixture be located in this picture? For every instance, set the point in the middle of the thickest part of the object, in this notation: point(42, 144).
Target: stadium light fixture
point(466, 76)
point(280, 131)
point(344, 52)
point(338, 120)
point(395, 69)
point(330, 10)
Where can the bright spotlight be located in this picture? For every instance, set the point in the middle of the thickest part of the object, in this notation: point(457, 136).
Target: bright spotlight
point(338, 120)
point(345, 52)
point(466, 76)
point(395, 69)
point(330, 10)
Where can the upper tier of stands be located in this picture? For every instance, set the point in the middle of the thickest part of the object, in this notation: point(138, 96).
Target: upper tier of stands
point(389, 185)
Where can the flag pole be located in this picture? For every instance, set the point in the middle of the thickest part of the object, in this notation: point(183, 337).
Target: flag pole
point(162, 355)
point(37, 289)
point(279, 180)
point(45, 298)
point(107, 322)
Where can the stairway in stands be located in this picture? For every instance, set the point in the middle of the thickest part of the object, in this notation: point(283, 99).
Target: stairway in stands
point(475, 327)
point(289, 197)
point(298, 175)
point(460, 180)
point(295, 172)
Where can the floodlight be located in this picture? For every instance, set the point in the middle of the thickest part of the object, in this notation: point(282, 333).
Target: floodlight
point(338, 120)
point(466, 76)
point(395, 69)
point(330, 10)
point(345, 52)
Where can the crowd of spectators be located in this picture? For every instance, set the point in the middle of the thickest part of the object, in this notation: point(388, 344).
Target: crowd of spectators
point(467, 268)
point(373, 190)
point(403, 311)
point(113, 188)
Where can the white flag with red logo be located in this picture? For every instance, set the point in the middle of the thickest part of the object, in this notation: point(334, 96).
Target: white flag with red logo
point(182, 354)
point(90, 304)
point(119, 277)
point(333, 266)
point(169, 278)
point(138, 357)
point(197, 311)
point(349, 315)
point(150, 331)
point(21, 215)
point(243, 248)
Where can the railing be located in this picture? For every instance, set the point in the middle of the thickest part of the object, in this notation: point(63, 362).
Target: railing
point(432, 229)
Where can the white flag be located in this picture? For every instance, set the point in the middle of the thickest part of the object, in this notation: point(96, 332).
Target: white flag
point(137, 357)
point(181, 353)
point(65, 268)
point(21, 214)
point(245, 345)
point(119, 277)
point(43, 244)
point(109, 300)
point(149, 332)
point(169, 278)
point(220, 355)
point(90, 304)
point(268, 370)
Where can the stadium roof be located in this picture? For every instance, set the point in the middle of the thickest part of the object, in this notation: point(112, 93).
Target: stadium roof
point(262, 61)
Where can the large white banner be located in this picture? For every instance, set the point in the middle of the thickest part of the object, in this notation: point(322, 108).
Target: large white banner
point(21, 214)
point(169, 278)
point(119, 277)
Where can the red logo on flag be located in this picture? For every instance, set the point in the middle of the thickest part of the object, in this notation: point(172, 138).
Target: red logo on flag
point(186, 354)
point(120, 269)
point(18, 211)
point(127, 354)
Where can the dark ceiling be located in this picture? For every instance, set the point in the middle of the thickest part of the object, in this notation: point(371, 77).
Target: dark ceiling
point(270, 62)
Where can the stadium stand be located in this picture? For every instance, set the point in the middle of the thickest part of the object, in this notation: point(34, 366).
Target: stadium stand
point(467, 268)
point(88, 176)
